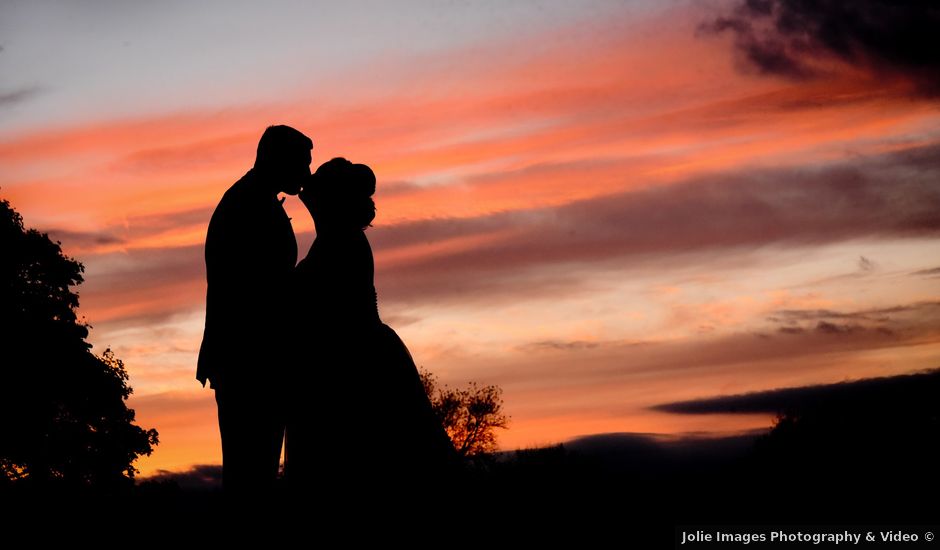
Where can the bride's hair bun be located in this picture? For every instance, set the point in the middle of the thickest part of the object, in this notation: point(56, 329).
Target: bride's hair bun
point(341, 188)
point(338, 177)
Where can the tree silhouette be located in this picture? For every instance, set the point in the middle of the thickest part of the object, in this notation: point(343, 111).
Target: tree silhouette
point(470, 416)
point(63, 416)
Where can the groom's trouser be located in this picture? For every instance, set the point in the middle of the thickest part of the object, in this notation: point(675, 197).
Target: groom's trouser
point(251, 423)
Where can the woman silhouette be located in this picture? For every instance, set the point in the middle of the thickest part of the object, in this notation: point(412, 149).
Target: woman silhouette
point(359, 417)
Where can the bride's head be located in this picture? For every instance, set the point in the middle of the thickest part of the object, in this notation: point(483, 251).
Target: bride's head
point(339, 195)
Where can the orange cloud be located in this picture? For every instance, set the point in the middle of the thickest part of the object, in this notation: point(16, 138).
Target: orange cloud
point(515, 112)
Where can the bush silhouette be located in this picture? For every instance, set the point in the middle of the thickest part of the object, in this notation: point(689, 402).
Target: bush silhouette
point(63, 417)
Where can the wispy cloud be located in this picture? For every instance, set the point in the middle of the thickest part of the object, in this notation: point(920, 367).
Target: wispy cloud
point(144, 285)
point(932, 272)
point(17, 96)
point(739, 210)
point(915, 324)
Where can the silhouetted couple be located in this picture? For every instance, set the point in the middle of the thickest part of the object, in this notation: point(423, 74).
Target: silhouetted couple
point(300, 349)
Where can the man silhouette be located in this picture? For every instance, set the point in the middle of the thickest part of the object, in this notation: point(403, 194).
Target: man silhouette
point(251, 253)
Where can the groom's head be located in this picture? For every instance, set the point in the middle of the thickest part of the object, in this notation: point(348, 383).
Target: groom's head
point(284, 156)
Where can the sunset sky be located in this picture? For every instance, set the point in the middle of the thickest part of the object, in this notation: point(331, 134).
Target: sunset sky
point(598, 206)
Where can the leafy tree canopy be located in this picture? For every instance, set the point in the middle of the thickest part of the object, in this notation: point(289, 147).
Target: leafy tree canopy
point(470, 415)
point(63, 416)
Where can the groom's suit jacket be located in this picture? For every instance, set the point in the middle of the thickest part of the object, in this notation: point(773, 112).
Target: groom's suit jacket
point(251, 252)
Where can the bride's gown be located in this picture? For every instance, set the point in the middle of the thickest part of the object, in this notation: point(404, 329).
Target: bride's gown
point(359, 413)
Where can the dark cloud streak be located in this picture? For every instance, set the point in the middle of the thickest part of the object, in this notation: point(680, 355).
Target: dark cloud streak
point(805, 346)
point(877, 314)
point(15, 97)
point(559, 345)
point(205, 477)
point(932, 272)
point(131, 229)
point(896, 38)
point(84, 239)
point(888, 196)
point(889, 321)
point(783, 399)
